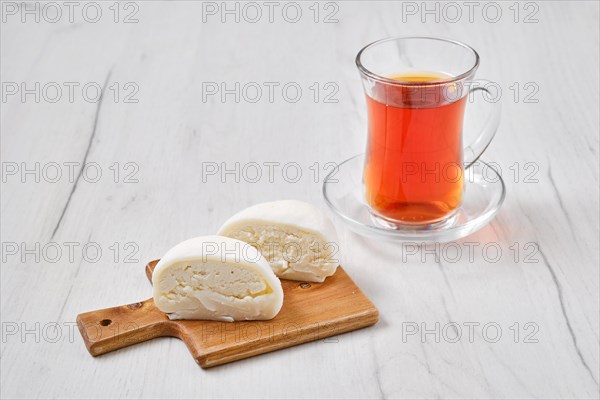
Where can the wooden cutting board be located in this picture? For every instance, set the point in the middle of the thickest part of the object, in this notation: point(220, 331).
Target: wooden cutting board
point(311, 311)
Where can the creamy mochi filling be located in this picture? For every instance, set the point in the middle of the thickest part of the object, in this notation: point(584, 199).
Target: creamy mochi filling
point(291, 252)
point(213, 290)
point(187, 278)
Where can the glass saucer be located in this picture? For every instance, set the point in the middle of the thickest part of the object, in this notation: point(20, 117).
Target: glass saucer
point(483, 196)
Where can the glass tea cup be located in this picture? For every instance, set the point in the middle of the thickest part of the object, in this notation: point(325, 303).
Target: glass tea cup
point(417, 90)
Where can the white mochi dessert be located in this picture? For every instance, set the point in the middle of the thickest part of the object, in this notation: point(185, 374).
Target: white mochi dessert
point(297, 239)
point(216, 278)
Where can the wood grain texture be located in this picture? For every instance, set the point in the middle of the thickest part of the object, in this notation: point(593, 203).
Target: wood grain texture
point(311, 311)
point(113, 328)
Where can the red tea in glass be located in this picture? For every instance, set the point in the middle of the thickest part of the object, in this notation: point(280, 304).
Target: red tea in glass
point(417, 89)
point(413, 170)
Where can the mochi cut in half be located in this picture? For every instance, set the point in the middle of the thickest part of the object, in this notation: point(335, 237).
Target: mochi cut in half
point(297, 239)
point(216, 278)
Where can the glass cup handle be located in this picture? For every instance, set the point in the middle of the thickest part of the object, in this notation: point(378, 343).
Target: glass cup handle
point(475, 149)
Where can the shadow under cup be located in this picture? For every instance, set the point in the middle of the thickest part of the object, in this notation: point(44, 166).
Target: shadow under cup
point(416, 97)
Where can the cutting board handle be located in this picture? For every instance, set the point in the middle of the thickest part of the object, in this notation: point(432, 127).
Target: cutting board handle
point(113, 328)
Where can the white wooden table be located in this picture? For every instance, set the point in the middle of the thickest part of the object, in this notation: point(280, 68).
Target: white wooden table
point(157, 146)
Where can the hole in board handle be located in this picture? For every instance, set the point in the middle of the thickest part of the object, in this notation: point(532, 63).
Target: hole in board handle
point(105, 322)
